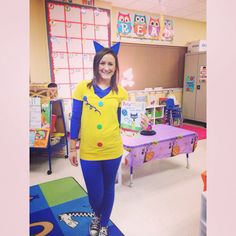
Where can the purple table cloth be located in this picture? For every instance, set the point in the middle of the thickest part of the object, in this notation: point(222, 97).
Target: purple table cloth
point(168, 141)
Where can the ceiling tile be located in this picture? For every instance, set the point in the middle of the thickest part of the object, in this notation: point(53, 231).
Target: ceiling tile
point(177, 3)
point(121, 3)
point(140, 5)
point(187, 9)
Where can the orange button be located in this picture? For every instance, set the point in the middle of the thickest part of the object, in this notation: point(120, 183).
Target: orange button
point(99, 144)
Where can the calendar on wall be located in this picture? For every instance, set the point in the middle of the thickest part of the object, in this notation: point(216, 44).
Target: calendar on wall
point(71, 29)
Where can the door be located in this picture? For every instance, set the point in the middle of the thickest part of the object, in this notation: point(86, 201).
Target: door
point(200, 108)
point(189, 87)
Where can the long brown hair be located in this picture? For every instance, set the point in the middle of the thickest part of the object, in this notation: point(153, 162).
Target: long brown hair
point(98, 57)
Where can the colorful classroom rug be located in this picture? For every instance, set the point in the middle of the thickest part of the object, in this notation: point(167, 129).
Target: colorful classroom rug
point(201, 131)
point(61, 208)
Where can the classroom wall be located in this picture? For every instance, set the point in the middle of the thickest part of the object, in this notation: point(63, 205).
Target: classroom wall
point(185, 31)
point(39, 56)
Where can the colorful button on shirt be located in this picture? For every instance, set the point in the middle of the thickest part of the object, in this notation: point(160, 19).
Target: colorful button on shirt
point(99, 126)
point(100, 104)
point(99, 144)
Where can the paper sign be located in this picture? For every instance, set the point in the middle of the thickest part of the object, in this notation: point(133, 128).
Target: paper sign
point(203, 73)
point(189, 83)
point(35, 112)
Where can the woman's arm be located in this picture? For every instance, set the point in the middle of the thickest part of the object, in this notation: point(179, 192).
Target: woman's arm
point(119, 114)
point(74, 129)
point(76, 118)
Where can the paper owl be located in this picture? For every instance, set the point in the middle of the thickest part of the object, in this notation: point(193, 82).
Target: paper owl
point(140, 25)
point(168, 30)
point(124, 23)
point(154, 27)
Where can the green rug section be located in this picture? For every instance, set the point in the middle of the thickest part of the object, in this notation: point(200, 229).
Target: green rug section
point(61, 191)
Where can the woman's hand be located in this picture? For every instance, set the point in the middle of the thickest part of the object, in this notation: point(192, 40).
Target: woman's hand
point(73, 158)
point(73, 153)
point(144, 122)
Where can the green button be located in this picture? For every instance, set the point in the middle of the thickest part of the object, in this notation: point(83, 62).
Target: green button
point(99, 126)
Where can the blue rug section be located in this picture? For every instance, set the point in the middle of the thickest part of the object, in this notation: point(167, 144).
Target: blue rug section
point(37, 199)
point(74, 218)
point(44, 223)
point(70, 222)
point(71, 218)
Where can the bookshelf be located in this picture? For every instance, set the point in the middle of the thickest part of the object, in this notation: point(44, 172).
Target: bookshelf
point(155, 113)
point(152, 97)
point(50, 135)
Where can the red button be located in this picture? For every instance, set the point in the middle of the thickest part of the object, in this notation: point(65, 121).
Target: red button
point(99, 144)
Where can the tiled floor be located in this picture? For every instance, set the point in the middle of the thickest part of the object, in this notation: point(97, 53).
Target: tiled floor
point(165, 199)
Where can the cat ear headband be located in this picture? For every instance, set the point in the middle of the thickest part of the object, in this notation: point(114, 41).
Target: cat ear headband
point(98, 47)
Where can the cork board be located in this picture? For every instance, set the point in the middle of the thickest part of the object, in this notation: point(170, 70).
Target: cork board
point(148, 66)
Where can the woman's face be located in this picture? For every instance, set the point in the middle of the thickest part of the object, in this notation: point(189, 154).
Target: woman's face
point(107, 67)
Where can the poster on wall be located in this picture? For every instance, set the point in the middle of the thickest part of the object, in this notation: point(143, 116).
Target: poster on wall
point(203, 73)
point(189, 83)
point(144, 27)
point(71, 29)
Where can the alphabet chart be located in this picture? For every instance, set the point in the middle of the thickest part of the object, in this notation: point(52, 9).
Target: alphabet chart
point(71, 30)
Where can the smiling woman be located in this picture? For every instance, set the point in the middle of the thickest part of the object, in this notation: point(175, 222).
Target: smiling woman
point(96, 107)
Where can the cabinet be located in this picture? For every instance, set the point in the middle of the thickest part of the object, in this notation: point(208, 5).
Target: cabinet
point(194, 88)
point(203, 220)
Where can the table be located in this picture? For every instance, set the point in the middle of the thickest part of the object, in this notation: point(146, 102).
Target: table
point(168, 141)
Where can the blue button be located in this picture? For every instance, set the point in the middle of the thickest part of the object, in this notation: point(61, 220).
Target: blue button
point(85, 98)
point(100, 104)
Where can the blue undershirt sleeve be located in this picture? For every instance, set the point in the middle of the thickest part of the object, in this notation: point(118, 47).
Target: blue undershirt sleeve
point(119, 114)
point(75, 123)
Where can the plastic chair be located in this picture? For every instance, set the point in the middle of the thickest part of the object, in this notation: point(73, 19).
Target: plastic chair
point(173, 112)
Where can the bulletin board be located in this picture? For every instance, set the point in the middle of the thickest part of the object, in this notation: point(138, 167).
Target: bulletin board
point(149, 66)
point(71, 29)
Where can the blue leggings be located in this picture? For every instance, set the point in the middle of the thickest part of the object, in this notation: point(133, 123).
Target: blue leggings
point(100, 179)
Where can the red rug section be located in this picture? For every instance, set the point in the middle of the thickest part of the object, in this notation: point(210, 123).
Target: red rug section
point(201, 131)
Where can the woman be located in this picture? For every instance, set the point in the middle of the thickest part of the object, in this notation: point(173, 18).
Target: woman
point(96, 114)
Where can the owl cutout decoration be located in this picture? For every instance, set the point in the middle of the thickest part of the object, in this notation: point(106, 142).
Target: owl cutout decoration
point(154, 28)
point(168, 33)
point(140, 25)
point(124, 23)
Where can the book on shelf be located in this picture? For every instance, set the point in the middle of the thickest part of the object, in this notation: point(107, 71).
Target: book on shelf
point(39, 137)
